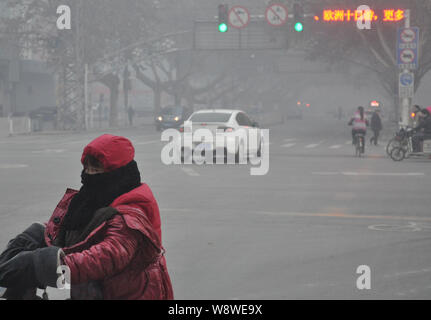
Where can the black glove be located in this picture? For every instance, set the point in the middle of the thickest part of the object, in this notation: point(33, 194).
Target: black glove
point(31, 239)
point(30, 269)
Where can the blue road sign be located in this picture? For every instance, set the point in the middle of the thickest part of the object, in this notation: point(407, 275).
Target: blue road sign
point(406, 79)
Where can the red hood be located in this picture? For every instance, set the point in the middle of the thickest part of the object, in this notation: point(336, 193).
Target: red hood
point(112, 151)
point(142, 198)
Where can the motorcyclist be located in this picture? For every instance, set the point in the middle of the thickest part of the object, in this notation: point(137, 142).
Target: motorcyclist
point(360, 124)
point(422, 130)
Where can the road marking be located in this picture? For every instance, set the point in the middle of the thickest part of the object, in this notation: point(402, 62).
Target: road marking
point(343, 215)
point(390, 174)
point(377, 174)
point(314, 145)
point(81, 142)
point(348, 142)
point(49, 151)
point(13, 166)
point(336, 146)
point(329, 173)
point(288, 145)
point(411, 227)
point(406, 273)
point(190, 172)
point(146, 142)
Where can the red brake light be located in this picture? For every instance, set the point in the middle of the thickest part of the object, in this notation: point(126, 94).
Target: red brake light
point(226, 129)
point(181, 129)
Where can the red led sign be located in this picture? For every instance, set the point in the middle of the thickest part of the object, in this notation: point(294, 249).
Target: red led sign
point(343, 15)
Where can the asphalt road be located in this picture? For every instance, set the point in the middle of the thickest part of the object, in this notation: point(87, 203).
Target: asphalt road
point(298, 232)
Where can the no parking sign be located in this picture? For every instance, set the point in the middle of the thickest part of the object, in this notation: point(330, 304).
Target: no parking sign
point(276, 15)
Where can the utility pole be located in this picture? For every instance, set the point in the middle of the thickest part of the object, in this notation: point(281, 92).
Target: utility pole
point(405, 102)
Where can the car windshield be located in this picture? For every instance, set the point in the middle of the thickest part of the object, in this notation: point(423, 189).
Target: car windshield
point(211, 117)
point(172, 111)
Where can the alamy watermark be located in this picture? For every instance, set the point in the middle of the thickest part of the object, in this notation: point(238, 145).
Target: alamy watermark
point(63, 279)
point(64, 21)
point(365, 17)
point(364, 280)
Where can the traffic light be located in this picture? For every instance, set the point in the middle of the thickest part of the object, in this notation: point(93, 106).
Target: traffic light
point(298, 17)
point(223, 18)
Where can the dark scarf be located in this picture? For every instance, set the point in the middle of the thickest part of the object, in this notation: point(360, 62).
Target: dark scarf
point(99, 191)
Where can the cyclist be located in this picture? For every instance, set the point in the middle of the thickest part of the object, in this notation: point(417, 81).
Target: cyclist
point(360, 124)
point(422, 130)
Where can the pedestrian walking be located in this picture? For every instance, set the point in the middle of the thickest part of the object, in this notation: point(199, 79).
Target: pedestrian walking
point(376, 127)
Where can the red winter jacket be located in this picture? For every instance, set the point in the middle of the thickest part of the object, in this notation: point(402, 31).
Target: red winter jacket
point(124, 254)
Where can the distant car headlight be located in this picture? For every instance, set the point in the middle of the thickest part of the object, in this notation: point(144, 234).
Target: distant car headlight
point(160, 118)
point(177, 119)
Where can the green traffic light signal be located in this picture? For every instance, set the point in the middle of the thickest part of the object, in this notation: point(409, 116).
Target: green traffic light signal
point(299, 27)
point(222, 27)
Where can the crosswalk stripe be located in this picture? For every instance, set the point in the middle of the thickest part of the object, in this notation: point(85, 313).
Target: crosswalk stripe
point(288, 145)
point(336, 146)
point(146, 142)
point(190, 172)
point(313, 145)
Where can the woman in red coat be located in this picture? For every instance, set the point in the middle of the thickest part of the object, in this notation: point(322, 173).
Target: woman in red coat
point(108, 233)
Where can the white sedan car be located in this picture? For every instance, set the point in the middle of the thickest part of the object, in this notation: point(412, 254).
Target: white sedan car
point(226, 132)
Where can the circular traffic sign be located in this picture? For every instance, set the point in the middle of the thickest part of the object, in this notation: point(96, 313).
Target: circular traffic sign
point(276, 15)
point(407, 56)
point(408, 35)
point(406, 79)
point(239, 17)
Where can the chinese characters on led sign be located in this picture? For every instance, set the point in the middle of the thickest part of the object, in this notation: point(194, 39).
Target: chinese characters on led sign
point(346, 15)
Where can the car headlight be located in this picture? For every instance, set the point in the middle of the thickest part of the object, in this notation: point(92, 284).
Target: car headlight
point(160, 118)
point(177, 119)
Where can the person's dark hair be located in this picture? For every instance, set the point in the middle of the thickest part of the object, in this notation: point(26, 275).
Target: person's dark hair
point(92, 161)
point(361, 112)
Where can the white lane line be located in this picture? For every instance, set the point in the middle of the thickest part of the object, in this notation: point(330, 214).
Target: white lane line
point(146, 142)
point(288, 145)
point(49, 151)
point(406, 273)
point(392, 174)
point(12, 166)
point(336, 146)
point(325, 173)
point(341, 215)
point(377, 174)
point(190, 172)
